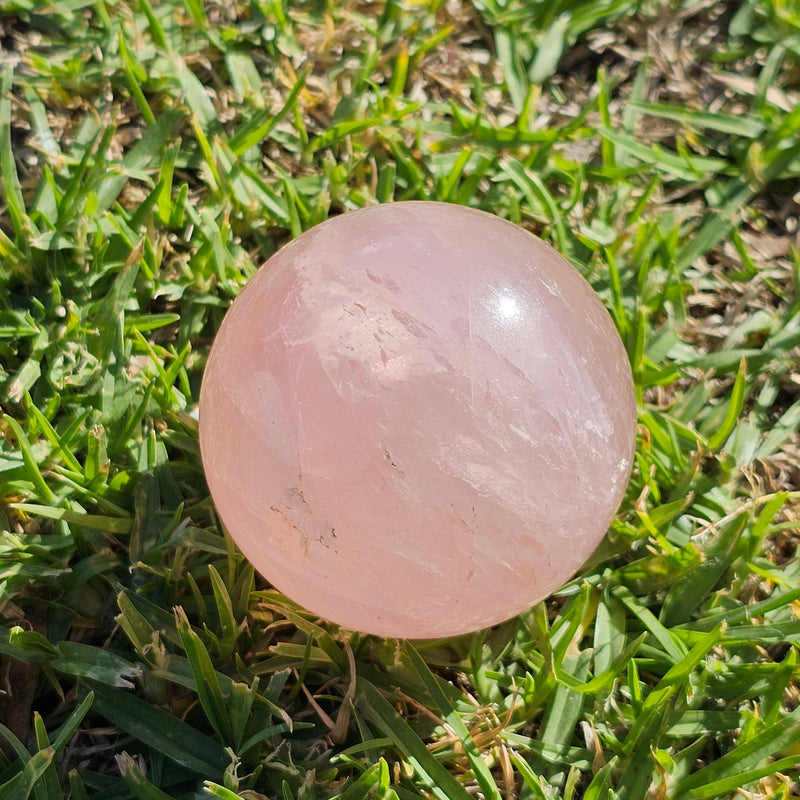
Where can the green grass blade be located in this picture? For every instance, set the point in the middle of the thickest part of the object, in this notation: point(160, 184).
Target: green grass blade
point(734, 409)
point(215, 790)
point(12, 193)
point(137, 782)
point(47, 784)
point(214, 704)
point(745, 760)
point(21, 785)
point(222, 599)
point(95, 522)
point(161, 731)
point(261, 125)
point(531, 780)
point(380, 714)
point(645, 727)
point(67, 729)
point(453, 718)
point(52, 436)
point(687, 593)
point(745, 127)
point(76, 786)
point(16, 745)
point(33, 473)
point(672, 646)
point(93, 663)
point(564, 707)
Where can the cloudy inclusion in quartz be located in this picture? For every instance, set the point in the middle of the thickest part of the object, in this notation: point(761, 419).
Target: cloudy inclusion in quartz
point(417, 420)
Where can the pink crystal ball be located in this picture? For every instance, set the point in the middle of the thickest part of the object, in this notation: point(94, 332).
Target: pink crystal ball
point(417, 420)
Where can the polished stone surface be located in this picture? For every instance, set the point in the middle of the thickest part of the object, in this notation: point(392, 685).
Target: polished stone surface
point(417, 420)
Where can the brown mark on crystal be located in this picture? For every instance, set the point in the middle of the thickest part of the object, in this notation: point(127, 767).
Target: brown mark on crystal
point(383, 280)
point(461, 522)
point(295, 493)
point(296, 502)
point(414, 326)
point(282, 514)
point(387, 455)
point(328, 537)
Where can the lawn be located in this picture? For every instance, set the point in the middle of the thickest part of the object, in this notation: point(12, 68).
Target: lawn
point(154, 154)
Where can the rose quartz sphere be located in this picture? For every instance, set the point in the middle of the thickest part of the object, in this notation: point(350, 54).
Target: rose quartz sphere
point(417, 420)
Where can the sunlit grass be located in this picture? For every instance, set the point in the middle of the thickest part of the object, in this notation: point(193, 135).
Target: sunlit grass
point(153, 156)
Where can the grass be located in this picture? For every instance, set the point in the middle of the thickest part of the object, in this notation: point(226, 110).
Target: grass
point(152, 155)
